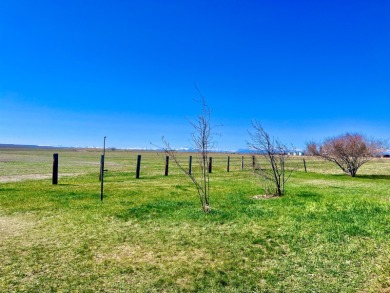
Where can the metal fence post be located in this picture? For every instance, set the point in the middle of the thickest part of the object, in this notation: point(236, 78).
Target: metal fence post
point(55, 169)
point(138, 167)
point(166, 165)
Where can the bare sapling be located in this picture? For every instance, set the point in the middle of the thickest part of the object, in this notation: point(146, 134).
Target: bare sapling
point(202, 143)
point(273, 173)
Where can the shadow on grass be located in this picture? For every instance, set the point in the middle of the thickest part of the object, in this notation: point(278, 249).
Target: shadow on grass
point(126, 177)
point(346, 176)
point(7, 189)
point(66, 184)
point(374, 177)
point(307, 194)
point(158, 209)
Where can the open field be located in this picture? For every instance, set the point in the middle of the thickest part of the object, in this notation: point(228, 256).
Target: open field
point(330, 233)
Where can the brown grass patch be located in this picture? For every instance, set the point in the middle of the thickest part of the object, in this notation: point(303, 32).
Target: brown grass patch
point(137, 255)
point(265, 196)
point(13, 226)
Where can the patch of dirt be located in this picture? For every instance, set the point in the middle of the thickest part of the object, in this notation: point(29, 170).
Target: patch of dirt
point(265, 196)
point(17, 178)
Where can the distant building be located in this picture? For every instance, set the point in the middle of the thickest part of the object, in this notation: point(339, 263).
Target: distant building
point(296, 153)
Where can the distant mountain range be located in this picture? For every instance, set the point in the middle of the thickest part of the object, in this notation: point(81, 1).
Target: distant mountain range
point(386, 153)
point(185, 150)
point(24, 146)
point(32, 146)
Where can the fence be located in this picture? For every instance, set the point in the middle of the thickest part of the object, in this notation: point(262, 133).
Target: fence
point(153, 164)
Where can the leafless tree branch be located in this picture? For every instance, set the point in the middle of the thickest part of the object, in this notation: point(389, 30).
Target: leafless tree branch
point(203, 141)
point(276, 154)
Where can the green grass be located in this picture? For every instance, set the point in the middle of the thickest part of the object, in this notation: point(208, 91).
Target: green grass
point(330, 233)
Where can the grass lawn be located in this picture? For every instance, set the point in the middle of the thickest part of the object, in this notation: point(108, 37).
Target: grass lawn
point(329, 233)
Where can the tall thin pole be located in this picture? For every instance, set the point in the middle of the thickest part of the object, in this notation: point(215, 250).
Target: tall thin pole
point(101, 176)
point(104, 146)
point(102, 169)
point(104, 154)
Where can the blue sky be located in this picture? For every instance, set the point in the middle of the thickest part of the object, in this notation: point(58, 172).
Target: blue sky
point(72, 72)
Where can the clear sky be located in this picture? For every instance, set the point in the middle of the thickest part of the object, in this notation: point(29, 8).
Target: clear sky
point(72, 71)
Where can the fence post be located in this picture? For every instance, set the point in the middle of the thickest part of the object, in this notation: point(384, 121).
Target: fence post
point(242, 163)
point(190, 165)
point(101, 176)
point(101, 170)
point(210, 164)
point(138, 167)
point(166, 165)
point(55, 169)
point(228, 164)
point(304, 164)
point(253, 161)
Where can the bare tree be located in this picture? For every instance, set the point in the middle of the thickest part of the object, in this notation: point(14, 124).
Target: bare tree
point(348, 151)
point(203, 141)
point(275, 174)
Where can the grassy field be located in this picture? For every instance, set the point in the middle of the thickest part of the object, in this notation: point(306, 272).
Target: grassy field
point(330, 233)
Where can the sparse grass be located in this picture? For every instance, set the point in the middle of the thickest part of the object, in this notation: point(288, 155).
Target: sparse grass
point(330, 233)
